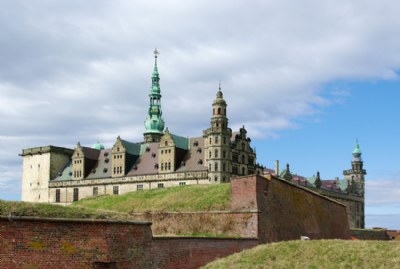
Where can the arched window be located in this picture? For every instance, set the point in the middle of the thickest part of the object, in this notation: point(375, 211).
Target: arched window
point(219, 111)
point(216, 153)
point(166, 143)
point(209, 154)
point(215, 167)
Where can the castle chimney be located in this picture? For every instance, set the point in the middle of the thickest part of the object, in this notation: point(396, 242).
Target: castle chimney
point(277, 167)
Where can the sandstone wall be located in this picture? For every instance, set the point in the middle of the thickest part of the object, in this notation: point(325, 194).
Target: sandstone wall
point(221, 223)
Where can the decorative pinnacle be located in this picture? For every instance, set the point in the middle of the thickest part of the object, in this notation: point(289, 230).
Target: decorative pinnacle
point(156, 53)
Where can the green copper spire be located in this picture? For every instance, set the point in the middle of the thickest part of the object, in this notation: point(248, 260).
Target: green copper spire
point(154, 123)
point(357, 150)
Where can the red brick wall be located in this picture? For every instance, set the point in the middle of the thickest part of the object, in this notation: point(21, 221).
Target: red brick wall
point(51, 243)
point(288, 211)
point(172, 253)
point(60, 243)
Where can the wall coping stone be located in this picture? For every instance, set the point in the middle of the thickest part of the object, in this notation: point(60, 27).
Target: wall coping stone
point(103, 221)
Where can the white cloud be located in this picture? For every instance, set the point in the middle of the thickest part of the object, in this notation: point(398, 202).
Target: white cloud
point(80, 70)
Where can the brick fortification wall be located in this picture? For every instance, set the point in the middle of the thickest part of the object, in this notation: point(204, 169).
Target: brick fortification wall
point(62, 243)
point(267, 208)
point(288, 211)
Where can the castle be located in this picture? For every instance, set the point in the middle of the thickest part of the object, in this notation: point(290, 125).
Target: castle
point(61, 175)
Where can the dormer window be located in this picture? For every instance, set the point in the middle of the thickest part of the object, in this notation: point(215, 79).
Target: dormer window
point(166, 143)
point(195, 143)
point(147, 149)
point(153, 155)
point(199, 150)
point(200, 161)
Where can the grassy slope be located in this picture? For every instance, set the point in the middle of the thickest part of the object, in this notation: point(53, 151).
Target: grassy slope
point(316, 254)
point(183, 198)
point(56, 211)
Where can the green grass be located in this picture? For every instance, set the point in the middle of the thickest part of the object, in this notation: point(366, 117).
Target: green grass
point(316, 254)
point(173, 199)
point(56, 211)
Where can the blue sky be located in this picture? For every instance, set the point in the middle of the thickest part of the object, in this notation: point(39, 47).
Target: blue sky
point(306, 79)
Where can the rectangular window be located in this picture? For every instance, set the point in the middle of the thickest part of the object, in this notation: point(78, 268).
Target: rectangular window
point(160, 185)
point(216, 139)
point(76, 195)
point(95, 191)
point(235, 158)
point(251, 160)
point(115, 190)
point(139, 187)
point(58, 195)
point(182, 183)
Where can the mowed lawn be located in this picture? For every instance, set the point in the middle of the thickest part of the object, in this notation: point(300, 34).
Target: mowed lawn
point(172, 199)
point(315, 254)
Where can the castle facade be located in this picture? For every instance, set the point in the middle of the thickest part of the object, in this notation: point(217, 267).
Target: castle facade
point(61, 175)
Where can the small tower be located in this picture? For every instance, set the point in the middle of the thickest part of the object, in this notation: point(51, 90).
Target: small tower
point(287, 175)
point(318, 181)
point(217, 147)
point(356, 175)
point(355, 178)
point(154, 123)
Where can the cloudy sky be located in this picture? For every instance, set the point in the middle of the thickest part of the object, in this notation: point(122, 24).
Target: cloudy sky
point(306, 78)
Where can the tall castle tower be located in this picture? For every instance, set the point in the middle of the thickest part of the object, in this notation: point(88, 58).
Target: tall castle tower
point(355, 178)
point(217, 144)
point(356, 175)
point(154, 123)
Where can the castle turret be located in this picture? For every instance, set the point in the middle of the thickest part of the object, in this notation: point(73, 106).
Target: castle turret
point(356, 175)
point(355, 178)
point(154, 123)
point(217, 142)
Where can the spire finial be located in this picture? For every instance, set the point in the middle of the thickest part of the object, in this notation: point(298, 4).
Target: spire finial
point(219, 86)
point(156, 53)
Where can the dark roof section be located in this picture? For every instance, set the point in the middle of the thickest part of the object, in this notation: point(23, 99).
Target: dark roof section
point(146, 163)
point(90, 153)
point(131, 148)
point(180, 141)
point(194, 159)
point(65, 173)
point(102, 169)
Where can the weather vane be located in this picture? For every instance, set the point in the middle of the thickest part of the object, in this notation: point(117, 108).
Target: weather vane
point(156, 53)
